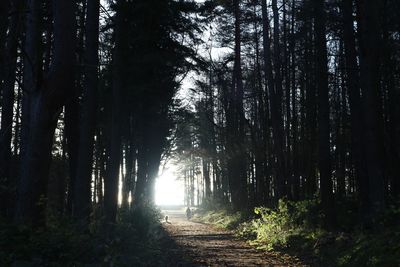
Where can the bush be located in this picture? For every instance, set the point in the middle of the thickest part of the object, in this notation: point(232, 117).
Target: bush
point(57, 245)
point(134, 239)
point(274, 227)
point(295, 227)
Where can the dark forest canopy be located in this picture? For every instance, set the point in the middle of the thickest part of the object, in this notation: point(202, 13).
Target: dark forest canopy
point(302, 103)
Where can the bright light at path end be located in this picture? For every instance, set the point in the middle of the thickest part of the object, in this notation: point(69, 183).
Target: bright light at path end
point(169, 190)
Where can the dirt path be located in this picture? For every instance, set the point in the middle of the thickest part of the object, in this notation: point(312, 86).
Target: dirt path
point(205, 245)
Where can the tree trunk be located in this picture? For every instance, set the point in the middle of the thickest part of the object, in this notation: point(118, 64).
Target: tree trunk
point(141, 173)
point(111, 181)
point(71, 132)
point(353, 90)
point(295, 134)
point(32, 66)
point(324, 162)
point(275, 91)
point(310, 114)
point(235, 116)
point(276, 108)
point(47, 102)
point(368, 16)
point(7, 102)
point(73, 110)
point(206, 177)
point(88, 115)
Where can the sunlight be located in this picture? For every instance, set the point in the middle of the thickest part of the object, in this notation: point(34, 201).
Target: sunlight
point(169, 190)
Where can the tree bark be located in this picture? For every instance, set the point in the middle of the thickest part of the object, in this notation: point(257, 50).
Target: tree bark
point(88, 115)
point(275, 91)
point(236, 161)
point(369, 34)
point(32, 66)
point(73, 110)
point(324, 161)
point(7, 101)
point(353, 91)
point(276, 108)
point(47, 102)
point(111, 181)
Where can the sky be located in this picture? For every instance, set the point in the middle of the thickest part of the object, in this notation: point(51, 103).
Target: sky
point(169, 190)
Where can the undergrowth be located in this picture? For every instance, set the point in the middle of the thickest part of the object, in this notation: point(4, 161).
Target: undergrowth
point(133, 240)
point(295, 228)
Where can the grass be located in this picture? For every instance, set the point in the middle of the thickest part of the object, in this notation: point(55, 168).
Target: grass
point(221, 218)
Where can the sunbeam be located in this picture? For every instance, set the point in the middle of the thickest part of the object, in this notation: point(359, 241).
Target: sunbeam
point(169, 190)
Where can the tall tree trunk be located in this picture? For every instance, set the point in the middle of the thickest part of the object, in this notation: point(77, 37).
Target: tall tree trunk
point(353, 90)
point(71, 131)
point(276, 109)
point(259, 137)
point(275, 103)
point(7, 102)
point(111, 181)
point(369, 23)
point(141, 173)
point(391, 84)
point(238, 175)
point(341, 128)
point(84, 169)
point(73, 110)
point(206, 177)
point(32, 67)
point(324, 162)
point(310, 117)
point(295, 134)
point(153, 168)
point(47, 102)
point(130, 170)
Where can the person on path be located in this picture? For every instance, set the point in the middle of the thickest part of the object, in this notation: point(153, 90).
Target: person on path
point(188, 213)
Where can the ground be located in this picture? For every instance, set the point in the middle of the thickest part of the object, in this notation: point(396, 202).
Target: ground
point(196, 244)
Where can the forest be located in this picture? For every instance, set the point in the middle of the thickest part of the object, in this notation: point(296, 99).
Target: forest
point(282, 117)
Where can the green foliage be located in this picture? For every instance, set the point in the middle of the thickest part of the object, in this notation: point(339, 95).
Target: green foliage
point(272, 228)
point(295, 227)
point(58, 243)
point(134, 239)
point(222, 218)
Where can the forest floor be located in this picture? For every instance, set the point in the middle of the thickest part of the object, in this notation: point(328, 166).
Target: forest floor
point(197, 244)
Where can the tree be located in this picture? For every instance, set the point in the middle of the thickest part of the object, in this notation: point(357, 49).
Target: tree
point(7, 101)
point(274, 85)
point(87, 122)
point(112, 177)
point(369, 35)
point(323, 114)
point(353, 90)
point(235, 123)
point(47, 101)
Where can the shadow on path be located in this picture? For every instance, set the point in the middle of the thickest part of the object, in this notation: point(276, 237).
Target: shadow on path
point(200, 244)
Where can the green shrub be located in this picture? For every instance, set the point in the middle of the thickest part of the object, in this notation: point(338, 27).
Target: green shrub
point(273, 227)
point(134, 239)
point(295, 227)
